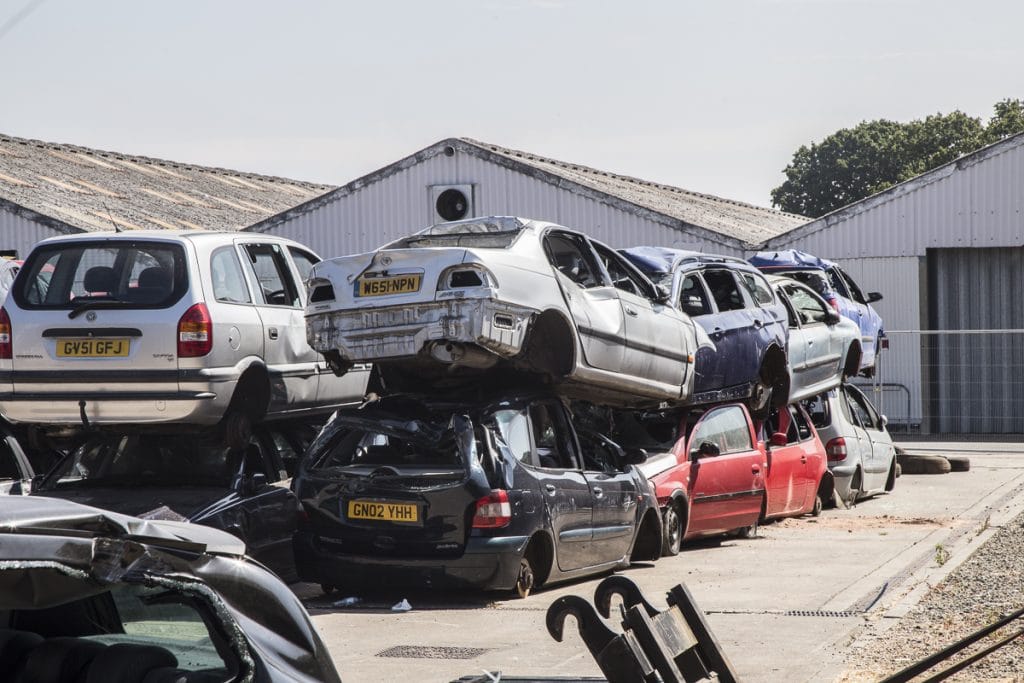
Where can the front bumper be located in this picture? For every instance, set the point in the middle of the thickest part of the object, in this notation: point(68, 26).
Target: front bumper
point(487, 563)
point(403, 331)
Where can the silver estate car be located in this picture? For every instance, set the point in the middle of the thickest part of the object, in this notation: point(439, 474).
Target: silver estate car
point(163, 328)
point(860, 452)
point(527, 294)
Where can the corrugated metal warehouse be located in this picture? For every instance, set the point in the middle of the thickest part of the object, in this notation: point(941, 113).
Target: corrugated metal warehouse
point(49, 189)
point(458, 178)
point(947, 251)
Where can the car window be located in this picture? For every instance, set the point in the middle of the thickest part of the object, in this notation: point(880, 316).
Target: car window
point(622, 273)
point(726, 428)
point(724, 289)
point(818, 409)
point(270, 268)
point(599, 454)
point(693, 298)
point(304, 262)
point(803, 427)
point(809, 309)
point(569, 258)
point(514, 427)
point(865, 410)
point(855, 292)
point(837, 282)
point(228, 281)
point(134, 273)
point(815, 279)
point(550, 436)
point(771, 425)
point(758, 288)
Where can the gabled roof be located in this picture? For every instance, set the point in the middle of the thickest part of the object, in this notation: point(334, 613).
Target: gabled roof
point(70, 189)
point(898, 191)
point(722, 220)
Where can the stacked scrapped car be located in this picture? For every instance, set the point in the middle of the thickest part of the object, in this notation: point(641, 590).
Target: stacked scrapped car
point(503, 292)
point(495, 494)
point(167, 329)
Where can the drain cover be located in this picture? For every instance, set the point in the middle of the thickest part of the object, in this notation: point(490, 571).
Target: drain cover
point(431, 652)
point(818, 613)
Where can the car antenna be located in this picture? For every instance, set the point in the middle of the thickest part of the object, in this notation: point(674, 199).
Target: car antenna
point(117, 228)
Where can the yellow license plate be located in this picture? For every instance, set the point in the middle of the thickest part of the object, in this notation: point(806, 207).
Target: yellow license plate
point(92, 348)
point(395, 284)
point(384, 511)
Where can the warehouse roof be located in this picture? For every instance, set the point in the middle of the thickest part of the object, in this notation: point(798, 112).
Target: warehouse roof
point(71, 189)
point(720, 219)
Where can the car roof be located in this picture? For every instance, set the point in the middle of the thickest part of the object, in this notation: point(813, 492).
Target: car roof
point(39, 515)
point(166, 235)
point(789, 259)
point(667, 259)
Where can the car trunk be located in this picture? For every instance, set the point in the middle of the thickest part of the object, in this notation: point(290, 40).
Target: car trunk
point(413, 496)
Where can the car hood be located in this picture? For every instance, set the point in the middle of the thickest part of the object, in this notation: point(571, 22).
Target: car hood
point(789, 259)
point(656, 464)
point(165, 503)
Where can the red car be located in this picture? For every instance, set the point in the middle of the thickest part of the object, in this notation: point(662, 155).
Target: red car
point(718, 477)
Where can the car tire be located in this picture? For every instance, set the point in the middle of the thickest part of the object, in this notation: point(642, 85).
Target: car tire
point(959, 463)
point(672, 530)
point(917, 463)
point(890, 481)
point(237, 429)
point(526, 579)
point(819, 504)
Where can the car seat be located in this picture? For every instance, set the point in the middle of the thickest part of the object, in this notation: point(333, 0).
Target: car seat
point(155, 284)
point(99, 280)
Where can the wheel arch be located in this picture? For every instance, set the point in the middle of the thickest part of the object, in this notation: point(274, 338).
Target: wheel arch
point(542, 548)
point(556, 359)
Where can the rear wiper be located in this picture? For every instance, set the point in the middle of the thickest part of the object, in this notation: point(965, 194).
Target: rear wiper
point(89, 305)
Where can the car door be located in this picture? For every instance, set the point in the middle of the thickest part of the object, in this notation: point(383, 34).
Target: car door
point(866, 318)
point(592, 301)
point(876, 469)
point(786, 481)
point(814, 352)
point(656, 347)
point(615, 498)
point(567, 495)
point(291, 362)
point(854, 415)
point(726, 476)
point(731, 328)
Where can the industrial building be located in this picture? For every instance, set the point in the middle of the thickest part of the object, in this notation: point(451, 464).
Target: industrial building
point(946, 249)
point(49, 189)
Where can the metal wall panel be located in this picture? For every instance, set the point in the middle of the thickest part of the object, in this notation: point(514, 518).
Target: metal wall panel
point(20, 233)
point(399, 204)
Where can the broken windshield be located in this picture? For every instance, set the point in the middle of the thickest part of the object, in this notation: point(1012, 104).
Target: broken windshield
point(494, 233)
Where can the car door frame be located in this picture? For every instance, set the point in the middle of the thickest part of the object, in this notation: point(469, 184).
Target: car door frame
point(615, 501)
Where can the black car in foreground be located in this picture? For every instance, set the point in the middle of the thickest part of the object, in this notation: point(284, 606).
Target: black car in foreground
point(497, 495)
point(184, 477)
point(90, 595)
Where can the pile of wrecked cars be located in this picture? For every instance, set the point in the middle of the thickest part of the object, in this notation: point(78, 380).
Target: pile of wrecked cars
point(526, 376)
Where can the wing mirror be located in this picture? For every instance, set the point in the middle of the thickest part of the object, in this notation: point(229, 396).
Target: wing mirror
point(705, 450)
point(251, 483)
point(874, 296)
point(634, 456)
point(661, 294)
point(885, 421)
point(831, 318)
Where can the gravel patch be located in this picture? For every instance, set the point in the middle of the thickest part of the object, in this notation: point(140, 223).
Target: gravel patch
point(988, 585)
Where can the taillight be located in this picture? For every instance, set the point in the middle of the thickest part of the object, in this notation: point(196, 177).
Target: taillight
point(836, 449)
point(195, 332)
point(5, 334)
point(493, 511)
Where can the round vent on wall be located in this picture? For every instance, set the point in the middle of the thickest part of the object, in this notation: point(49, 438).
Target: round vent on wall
point(452, 205)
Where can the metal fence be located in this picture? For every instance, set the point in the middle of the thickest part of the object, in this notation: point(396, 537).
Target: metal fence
point(951, 383)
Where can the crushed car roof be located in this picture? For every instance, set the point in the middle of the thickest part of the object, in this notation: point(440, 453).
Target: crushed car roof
point(665, 259)
point(789, 259)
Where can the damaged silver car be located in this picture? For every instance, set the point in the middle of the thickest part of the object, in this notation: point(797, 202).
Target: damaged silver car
point(89, 595)
point(502, 291)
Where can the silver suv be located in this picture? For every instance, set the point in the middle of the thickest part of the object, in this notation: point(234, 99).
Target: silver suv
point(163, 328)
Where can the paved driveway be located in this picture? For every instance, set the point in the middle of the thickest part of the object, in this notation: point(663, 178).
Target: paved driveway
point(786, 605)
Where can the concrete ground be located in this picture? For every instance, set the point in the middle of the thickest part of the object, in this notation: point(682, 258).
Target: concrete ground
point(786, 606)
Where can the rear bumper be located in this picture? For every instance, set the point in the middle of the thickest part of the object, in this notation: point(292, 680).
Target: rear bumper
point(843, 476)
point(403, 331)
point(487, 564)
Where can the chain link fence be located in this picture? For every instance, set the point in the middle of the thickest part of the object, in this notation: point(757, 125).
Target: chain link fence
point(951, 383)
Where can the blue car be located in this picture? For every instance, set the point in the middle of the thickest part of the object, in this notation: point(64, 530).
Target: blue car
point(837, 288)
point(733, 303)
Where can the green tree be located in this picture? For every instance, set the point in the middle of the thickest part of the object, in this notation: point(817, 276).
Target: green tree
point(857, 162)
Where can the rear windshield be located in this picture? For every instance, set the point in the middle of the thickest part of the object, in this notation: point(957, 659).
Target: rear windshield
point(815, 279)
point(117, 273)
point(497, 233)
point(416, 443)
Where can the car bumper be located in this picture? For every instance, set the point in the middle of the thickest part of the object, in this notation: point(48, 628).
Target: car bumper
point(403, 331)
point(843, 477)
point(486, 563)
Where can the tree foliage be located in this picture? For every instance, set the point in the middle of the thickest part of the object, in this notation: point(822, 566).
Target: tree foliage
point(857, 162)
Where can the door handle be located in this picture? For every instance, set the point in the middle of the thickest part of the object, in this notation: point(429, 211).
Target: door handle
point(757, 323)
point(598, 492)
point(631, 311)
point(803, 459)
point(272, 332)
point(550, 488)
point(755, 469)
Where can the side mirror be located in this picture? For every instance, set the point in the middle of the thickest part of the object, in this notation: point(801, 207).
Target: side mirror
point(705, 450)
point(252, 483)
point(874, 296)
point(885, 421)
point(831, 318)
point(634, 456)
point(661, 294)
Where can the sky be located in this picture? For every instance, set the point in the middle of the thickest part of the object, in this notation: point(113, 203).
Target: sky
point(712, 96)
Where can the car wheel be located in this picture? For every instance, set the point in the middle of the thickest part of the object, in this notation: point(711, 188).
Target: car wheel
point(819, 504)
point(959, 463)
point(237, 430)
point(672, 530)
point(526, 578)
